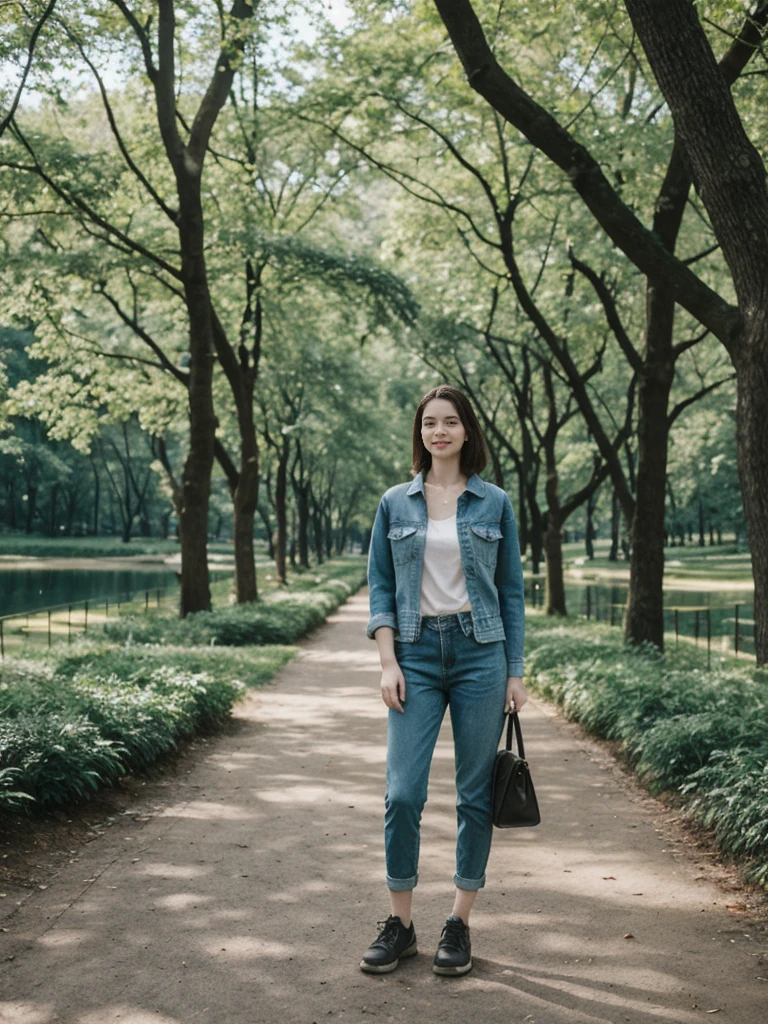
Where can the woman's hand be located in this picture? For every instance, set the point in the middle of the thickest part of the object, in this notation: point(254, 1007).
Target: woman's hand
point(393, 687)
point(516, 695)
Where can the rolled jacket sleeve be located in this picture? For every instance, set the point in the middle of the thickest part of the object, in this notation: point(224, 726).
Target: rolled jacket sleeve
point(381, 575)
point(509, 583)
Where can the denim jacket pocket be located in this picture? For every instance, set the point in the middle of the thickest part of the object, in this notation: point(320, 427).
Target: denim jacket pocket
point(485, 542)
point(402, 540)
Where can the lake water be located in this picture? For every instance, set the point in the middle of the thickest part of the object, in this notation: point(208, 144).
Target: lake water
point(690, 611)
point(28, 590)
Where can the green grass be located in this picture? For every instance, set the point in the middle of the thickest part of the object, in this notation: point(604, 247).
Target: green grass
point(702, 735)
point(720, 563)
point(26, 546)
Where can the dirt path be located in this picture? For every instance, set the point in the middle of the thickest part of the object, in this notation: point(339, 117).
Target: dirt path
point(250, 897)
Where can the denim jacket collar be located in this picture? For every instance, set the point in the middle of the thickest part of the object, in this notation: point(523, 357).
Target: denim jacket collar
point(474, 485)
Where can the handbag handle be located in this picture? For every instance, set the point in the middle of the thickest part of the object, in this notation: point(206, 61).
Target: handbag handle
point(514, 721)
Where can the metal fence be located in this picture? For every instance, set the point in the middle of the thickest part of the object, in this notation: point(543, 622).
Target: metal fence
point(720, 627)
point(43, 626)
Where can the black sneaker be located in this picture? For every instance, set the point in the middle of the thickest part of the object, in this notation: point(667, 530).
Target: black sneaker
point(394, 941)
point(454, 950)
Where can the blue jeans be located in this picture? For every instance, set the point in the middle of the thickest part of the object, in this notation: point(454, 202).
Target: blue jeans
point(446, 665)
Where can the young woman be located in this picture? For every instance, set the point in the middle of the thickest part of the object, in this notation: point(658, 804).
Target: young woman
point(447, 614)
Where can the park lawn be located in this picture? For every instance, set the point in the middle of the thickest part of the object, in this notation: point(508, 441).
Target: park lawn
point(33, 546)
point(698, 735)
point(83, 715)
point(711, 567)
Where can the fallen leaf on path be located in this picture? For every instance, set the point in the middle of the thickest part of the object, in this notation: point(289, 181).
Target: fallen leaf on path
point(629, 935)
point(609, 878)
point(717, 1010)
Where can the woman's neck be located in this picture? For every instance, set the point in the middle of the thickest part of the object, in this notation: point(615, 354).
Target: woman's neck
point(445, 474)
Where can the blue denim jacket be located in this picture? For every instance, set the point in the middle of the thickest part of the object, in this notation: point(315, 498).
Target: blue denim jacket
point(490, 556)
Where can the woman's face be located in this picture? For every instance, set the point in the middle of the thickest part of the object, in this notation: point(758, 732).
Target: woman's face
point(442, 431)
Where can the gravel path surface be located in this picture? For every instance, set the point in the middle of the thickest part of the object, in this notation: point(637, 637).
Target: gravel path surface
point(249, 897)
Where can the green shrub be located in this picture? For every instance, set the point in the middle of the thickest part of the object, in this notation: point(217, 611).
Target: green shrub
point(701, 733)
point(87, 731)
point(253, 666)
point(11, 799)
point(282, 618)
point(58, 758)
point(730, 795)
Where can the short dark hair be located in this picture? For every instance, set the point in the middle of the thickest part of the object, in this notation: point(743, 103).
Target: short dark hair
point(474, 457)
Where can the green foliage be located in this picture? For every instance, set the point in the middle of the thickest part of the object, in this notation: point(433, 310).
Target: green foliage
point(61, 738)
point(281, 618)
point(702, 734)
point(87, 547)
point(730, 794)
point(10, 798)
point(252, 666)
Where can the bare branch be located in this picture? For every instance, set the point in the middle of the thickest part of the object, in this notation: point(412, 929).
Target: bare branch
point(682, 406)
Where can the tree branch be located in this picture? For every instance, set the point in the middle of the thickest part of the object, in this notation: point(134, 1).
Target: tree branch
point(631, 354)
point(682, 406)
point(641, 246)
point(30, 54)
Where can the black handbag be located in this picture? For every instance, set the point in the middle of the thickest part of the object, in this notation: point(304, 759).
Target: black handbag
point(514, 798)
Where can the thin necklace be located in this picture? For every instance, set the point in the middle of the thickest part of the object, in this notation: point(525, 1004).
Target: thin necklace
point(446, 500)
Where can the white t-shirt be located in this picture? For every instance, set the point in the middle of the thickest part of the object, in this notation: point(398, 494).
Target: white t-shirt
point(443, 587)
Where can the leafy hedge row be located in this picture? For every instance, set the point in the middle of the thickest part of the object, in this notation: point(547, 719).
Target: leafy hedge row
point(703, 734)
point(62, 738)
point(282, 618)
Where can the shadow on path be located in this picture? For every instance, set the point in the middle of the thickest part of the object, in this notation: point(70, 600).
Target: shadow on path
point(251, 899)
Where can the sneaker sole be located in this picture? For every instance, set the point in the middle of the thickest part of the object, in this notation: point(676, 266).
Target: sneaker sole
point(388, 968)
point(449, 971)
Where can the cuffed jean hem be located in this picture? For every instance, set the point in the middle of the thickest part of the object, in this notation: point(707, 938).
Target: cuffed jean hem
point(473, 884)
point(402, 884)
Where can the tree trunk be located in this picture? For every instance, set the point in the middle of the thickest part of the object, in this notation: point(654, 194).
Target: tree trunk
point(555, 592)
point(535, 533)
point(196, 477)
point(71, 510)
point(644, 618)
point(186, 158)
point(281, 514)
point(52, 519)
point(302, 529)
point(752, 426)
point(613, 554)
point(245, 500)
point(731, 181)
point(553, 540)
point(12, 505)
point(589, 527)
point(31, 507)
point(317, 531)
point(96, 498)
